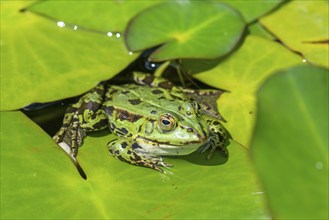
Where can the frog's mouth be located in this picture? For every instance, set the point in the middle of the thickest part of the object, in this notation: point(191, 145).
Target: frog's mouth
point(166, 148)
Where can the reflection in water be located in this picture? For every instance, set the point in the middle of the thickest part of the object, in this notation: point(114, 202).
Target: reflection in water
point(110, 34)
point(118, 35)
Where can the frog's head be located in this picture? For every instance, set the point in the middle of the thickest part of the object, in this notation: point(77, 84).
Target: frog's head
point(178, 132)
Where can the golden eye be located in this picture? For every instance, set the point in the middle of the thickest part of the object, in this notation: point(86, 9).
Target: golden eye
point(167, 123)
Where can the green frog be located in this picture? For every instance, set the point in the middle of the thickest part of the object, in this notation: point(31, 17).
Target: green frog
point(151, 118)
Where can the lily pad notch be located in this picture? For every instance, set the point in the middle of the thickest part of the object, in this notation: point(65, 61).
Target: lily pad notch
point(199, 30)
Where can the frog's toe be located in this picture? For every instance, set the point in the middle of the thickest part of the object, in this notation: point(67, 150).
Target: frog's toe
point(222, 149)
point(155, 163)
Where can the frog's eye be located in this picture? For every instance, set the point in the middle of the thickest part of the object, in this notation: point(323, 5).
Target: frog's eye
point(167, 123)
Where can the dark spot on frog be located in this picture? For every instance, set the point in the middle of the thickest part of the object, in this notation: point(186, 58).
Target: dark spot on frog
point(124, 115)
point(166, 85)
point(125, 92)
point(124, 130)
point(137, 159)
point(135, 146)
point(121, 158)
point(162, 97)
point(157, 91)
point(135, 118)
point(179, 108)
point(148, 79)
point(153, 112)
point(99, 124)
point(190, 130)
point(134, 101)
point(124, 144)
point(108, 109)
point(129, 152)
point(215, 123)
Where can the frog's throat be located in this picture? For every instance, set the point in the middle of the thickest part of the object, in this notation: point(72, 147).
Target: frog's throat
point(166, 148)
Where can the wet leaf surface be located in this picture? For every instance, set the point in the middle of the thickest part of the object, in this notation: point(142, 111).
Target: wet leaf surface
point(290, 145)
point(40, 60)
point(214, 30)
point(33, 167)
point(305, 29)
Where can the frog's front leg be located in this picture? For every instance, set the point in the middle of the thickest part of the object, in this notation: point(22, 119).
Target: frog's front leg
point(219, 136)
point(131, 152)
point(81, 117)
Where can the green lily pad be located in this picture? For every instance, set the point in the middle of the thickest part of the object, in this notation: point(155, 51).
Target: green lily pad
point(290, 144)
point(42, 61)
point(257, 29)
point(114, 14)
point(185, 30)
point(251, 9)
point(241, 75)
point(38, 181)
point(304, 29)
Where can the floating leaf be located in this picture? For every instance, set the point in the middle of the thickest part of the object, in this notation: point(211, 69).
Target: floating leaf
point(305, 28)
point(186, 30)
point(257, 29)
point(38, 181)
point(114, 14)
point(290, 144)
point(43, 61)
point(241, 75)
point(253, 9)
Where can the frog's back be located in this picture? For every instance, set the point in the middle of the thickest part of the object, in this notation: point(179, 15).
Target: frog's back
point(137, 101)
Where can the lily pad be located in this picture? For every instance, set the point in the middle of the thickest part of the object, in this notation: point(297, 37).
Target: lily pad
point(114, 14)
point(257, 29)
point(185, 30)
point(251, 9)
point(42, 60)
point(304, 29)
point(241, 75)
point(290, 144)
point(38, 181)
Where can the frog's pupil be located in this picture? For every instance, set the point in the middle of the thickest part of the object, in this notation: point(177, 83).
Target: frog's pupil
point(165, 122)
